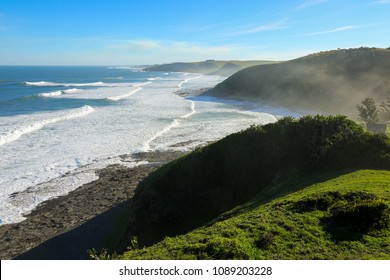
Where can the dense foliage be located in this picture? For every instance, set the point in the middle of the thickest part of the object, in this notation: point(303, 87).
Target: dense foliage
point(195, 189)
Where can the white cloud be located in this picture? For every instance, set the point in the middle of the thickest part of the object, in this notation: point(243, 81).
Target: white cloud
point(339, 29)
point(309, 3)
point(134, 45)
point(262, 28)
point(160, 51)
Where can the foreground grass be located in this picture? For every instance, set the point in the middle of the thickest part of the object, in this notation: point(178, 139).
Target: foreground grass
point(304, 224)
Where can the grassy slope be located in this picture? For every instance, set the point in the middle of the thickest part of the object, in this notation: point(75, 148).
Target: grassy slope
point(276, 230)
point(209, 67)
point(193, 190)
point(330, 82)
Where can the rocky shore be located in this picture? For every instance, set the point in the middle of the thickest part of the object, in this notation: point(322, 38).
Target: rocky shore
point(67, 226)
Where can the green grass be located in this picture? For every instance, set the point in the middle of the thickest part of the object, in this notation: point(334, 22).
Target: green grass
point(290, 220)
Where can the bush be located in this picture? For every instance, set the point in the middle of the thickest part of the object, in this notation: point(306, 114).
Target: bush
point(363, 216)
point(265, 240)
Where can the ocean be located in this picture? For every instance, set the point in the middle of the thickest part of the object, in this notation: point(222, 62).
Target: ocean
point(60, 124)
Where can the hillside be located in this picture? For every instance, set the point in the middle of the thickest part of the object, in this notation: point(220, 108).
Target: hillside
point(339, 218)
point(208, 67)
point(254, 166)
point(328, 82)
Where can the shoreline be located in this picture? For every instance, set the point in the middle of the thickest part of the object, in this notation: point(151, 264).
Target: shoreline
point(82, 217)
point(65, 227)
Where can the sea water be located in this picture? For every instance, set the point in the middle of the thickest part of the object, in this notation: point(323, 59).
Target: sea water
point(59, 124)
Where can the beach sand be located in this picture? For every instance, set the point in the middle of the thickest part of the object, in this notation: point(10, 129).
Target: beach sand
point(67, 226)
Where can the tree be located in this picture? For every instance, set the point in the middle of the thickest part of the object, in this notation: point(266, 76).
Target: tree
point(368, 111)
point(384, 110)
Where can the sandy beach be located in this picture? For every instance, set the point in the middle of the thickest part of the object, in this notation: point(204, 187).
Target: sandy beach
point(67, 226)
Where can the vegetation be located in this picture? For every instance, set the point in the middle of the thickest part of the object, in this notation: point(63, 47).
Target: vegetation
point(384, 109)
point(209, 67)
point(330, 82)
point(368, 111)
point(265, 162)
point(341, 217)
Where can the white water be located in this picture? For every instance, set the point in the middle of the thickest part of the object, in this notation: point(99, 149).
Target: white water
point(50, 94)
point(25, 127)
point(49, 154)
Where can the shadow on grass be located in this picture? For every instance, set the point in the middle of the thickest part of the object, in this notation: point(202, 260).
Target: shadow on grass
point(280, 189)
point(339, 232)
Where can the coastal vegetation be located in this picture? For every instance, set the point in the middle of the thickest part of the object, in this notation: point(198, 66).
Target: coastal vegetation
point(337, 216)
point(312, 188)
point(331, 82)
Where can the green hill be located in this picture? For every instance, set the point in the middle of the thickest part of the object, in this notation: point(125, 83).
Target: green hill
point(328, 82)
point(226, 190)
point(208, 67)
point(345, 217)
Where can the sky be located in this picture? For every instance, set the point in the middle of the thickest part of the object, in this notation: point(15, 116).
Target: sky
point(140, 32)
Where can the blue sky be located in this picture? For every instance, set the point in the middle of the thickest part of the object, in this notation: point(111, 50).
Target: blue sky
point(115, 32)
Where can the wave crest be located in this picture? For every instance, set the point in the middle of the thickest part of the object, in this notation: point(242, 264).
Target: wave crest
point(28, 128)
point(51, 94)
point(49, 84)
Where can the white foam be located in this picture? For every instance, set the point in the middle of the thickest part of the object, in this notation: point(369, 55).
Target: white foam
point(28, 128)
point(187, 80)
point(165, 130)
point(41, 84)
point(121, 67)
point(87, 84)
point(193, 111)
point(71, 90)
point(50, 94)
point(46, 84)
point(119, 97)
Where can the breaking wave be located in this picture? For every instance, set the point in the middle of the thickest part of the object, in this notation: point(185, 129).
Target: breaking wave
point(28, 128)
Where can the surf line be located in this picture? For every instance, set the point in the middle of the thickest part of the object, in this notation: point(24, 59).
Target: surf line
point(137, 88)
point(174, 123)
point(28, 128)
point(187, 80)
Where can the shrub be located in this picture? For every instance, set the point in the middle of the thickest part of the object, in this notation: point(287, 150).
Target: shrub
point(321, 202)
point(362, 216)
point(265, 240)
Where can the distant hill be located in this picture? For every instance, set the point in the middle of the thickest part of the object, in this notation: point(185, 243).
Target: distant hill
point(208, 67)
point(290, 189)
point(327, 82)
